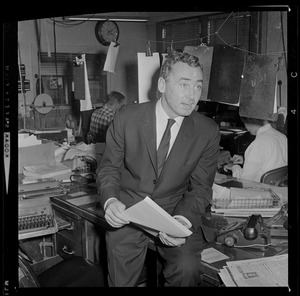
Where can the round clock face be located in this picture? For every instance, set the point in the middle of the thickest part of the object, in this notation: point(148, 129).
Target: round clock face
point(106, 32)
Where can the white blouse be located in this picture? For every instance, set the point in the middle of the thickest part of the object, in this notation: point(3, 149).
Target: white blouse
point(267, 152)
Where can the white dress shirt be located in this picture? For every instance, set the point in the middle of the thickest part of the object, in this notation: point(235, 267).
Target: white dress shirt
point(161, 124)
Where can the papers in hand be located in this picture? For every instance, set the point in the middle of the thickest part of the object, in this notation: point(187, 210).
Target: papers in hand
point(151, 217)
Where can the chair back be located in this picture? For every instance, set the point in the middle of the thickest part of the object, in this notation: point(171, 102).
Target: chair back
point(276, 177)
point(27, 278)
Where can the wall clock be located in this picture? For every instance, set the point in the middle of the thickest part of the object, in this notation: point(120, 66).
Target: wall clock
point(107, 32)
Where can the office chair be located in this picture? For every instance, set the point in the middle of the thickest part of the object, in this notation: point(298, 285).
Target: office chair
point(71, 272)
point(277, 177)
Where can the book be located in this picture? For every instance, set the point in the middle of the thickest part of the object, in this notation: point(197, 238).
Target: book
point(151, 217)
point(42, 171)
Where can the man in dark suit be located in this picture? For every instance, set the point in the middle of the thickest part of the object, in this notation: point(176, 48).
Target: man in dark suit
point(129, 172)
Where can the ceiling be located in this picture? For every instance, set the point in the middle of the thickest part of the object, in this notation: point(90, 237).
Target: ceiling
point(151, 17)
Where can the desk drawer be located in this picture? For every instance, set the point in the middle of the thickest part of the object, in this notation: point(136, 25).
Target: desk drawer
point(209, 281)
point(67, 248)
point(210, 275)
point(74, 232)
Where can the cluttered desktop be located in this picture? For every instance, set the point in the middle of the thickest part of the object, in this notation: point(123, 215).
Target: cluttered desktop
point(59, 216)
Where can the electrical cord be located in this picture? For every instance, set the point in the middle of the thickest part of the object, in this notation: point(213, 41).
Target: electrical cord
point(258, 245)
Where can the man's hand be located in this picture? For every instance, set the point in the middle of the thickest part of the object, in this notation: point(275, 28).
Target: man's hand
point(114, 213)
point(173, 241)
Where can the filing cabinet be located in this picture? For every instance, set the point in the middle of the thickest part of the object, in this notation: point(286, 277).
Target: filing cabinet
point(69, 236)
point(77, 236)
point(67, 248)
point(82, 233)
point(210, 277)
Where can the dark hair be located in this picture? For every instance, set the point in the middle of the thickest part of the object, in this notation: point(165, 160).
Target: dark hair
point(176, 57)
point(252, 120)
point(115, 97)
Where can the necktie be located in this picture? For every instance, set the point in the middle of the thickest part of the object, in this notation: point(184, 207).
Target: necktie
point(164, 146)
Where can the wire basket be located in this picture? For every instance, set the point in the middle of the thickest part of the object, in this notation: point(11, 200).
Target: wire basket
point(244, 203)
point(248, 203)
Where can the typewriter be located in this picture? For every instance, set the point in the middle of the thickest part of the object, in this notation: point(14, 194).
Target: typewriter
point(36, 218)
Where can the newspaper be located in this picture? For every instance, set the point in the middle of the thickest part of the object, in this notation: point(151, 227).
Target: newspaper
point(260, 272)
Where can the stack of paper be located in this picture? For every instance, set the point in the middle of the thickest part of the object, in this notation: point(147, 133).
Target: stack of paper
point(25, 140)
point(56, 170)
point(260, 272)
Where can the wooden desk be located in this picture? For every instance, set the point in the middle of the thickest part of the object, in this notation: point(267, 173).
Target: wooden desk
point(84, 236)
point(211, 277)
point(81, 227)
point(278, 234)
point(82, 232)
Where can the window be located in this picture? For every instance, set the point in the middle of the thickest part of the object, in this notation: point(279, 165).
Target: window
point(181, 33)
point(230, 28)
point(57, 77)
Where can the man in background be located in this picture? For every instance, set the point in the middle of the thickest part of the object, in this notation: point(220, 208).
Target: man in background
point(102, 117)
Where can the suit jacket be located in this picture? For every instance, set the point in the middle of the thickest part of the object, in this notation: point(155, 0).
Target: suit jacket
point(128, 169)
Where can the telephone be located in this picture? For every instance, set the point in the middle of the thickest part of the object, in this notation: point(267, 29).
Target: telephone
point(250, 233)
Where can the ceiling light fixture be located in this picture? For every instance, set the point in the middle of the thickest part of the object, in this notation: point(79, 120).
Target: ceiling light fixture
point(105, 19)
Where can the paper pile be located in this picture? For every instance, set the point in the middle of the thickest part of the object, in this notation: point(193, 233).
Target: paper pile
point(261, 272)
point(56, 170)
point(25, 140)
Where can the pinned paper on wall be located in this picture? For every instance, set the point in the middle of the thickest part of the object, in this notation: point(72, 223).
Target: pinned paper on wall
point(86, 104)
point(275, 107)
point(148, 73)
point(226, 75)
point(111, 57)
point(204, 54)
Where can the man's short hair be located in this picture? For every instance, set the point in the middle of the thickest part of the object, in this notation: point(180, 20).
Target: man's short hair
point(116, 97)
point(176, 57)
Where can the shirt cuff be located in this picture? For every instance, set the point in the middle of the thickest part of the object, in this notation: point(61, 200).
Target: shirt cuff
point(104, 207)
point(189, 224)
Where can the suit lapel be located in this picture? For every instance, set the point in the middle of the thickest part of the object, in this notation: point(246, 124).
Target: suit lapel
point(148, 130)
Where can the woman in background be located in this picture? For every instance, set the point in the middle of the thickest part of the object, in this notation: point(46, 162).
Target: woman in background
point(268, 151)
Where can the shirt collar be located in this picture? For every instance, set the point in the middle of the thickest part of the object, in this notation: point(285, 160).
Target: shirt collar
point(162, 116)
point(264, 128)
